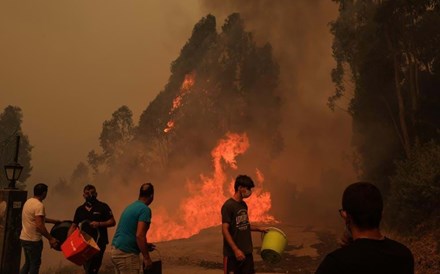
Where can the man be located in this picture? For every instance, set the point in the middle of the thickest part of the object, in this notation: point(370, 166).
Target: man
point(94, 217)
point(130, 237)
point(236, 229)
point(368, 251)
point(33, 228)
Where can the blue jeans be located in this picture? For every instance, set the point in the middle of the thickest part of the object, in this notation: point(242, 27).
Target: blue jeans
point(32, 254)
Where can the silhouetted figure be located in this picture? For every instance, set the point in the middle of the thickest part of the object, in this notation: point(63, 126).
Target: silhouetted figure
point(236, 229)
point(95, 216)
point(131, 234)
point(33, 221)
point(366, 250)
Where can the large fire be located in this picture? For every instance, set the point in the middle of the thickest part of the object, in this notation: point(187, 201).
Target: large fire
point(202, 208)
point(185, 88)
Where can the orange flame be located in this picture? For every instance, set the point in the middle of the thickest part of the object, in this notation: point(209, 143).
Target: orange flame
point(202, 209)
point(185, 88)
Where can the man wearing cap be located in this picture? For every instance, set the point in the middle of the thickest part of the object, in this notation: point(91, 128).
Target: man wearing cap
point(236, 229)
point(366, 250)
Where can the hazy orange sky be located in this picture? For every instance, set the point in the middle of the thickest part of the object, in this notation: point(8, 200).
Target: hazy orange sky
point(69, 64)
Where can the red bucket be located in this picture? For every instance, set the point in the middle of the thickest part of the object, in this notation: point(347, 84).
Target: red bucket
point(79, 247)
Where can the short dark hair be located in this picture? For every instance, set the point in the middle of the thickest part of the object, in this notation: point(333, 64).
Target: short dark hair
point(363, 202)
point(39, 189)
point(244, 181)
point(146, 190)
point(88, 187)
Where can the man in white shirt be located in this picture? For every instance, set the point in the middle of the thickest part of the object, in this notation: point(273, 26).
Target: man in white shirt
point(33, 228)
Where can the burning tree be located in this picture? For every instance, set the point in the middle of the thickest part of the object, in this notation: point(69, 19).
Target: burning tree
point(222, 92)
point(220, 82)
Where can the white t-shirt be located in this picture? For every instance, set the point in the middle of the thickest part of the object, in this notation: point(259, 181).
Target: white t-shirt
point(33, 207)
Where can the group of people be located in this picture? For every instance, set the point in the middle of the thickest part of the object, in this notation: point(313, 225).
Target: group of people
point(92, 217)
point(364, 249)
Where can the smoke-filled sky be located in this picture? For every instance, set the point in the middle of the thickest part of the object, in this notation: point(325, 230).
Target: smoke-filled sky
point(70, 64)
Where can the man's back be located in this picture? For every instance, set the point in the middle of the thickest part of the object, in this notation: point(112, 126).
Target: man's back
point(32, 207)
point(125, 235)
point(369, 256)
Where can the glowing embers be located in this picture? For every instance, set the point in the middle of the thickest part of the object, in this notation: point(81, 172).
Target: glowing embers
point(202, 208)
point(185, 88)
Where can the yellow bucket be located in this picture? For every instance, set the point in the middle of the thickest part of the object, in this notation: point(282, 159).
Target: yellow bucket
point(274, 243)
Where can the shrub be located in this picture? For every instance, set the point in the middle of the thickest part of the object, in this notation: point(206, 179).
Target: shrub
point(415, 190)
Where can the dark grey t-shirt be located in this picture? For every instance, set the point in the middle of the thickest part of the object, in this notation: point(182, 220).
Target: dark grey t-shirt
point(236, 215)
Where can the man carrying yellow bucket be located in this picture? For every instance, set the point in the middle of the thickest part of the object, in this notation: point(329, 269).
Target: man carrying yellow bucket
point(236, 230)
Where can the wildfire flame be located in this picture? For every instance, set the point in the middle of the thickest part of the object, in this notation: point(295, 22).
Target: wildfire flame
point(185, 88)
point(202, 209)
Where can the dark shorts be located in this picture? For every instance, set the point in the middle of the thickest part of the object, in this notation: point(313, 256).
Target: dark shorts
point(232, 266)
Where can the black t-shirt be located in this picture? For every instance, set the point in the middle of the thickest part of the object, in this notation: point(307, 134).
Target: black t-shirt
point(236, 215)
point(368, 256)
point(99, 212)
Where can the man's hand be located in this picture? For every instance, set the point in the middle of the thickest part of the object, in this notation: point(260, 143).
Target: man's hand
point(95, 224)
point(239, 255)
point(148, 263)
point(53, 242)
point(151, 247)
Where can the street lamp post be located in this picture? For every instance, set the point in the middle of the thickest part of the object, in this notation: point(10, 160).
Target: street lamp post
point(12, 201)
point(13, 170)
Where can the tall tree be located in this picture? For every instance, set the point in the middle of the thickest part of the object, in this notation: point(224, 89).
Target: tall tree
point(115, 135)
point(387, 49)
point(233, 88)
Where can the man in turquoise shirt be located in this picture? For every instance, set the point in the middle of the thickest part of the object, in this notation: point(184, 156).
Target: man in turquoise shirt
point(130, 237)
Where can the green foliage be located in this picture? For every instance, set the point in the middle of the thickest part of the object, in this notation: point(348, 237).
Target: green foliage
point(416, 190)
point(10, 126)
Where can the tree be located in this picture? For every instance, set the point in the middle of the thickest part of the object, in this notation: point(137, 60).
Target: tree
point(415, 190)
point(234, 79)
point(10, 126)
point(384, 46)
point(115, 135)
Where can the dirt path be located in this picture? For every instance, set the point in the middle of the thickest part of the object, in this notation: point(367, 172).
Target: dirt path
point(202, 253)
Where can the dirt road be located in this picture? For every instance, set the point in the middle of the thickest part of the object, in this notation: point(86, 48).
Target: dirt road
point(202, 253)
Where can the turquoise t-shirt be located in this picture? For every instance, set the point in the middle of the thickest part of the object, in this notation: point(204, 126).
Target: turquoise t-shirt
point(125, 236)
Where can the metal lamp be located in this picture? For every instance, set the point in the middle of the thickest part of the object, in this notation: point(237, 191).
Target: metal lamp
point(13, 172)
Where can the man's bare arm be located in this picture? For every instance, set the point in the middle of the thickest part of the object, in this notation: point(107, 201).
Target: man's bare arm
point(41, 227)
point(141, 240)
point(52, 221)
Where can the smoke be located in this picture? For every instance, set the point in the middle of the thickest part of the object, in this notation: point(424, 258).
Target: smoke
point(315, 165)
